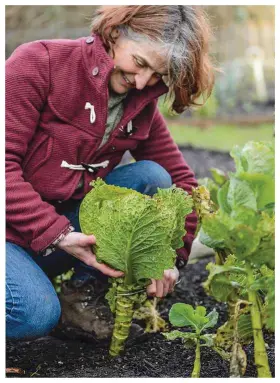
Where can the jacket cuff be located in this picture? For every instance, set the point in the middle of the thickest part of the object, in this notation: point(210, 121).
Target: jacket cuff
point(53, 246)
point(184, 252)
point(40, 243)
point(182, 258)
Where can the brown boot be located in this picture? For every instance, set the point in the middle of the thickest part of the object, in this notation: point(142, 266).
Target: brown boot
point(86, 315)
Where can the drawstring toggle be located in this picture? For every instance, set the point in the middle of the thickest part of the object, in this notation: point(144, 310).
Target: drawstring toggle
point(92, 112)
point(90, 167)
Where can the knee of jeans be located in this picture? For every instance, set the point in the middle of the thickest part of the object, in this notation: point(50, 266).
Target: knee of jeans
point(155, 174)
point(32, 319)
point(46, 317)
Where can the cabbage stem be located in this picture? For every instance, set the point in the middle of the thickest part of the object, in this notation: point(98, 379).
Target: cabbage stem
point(261, 359)
point(126, 298)
point(197, 363)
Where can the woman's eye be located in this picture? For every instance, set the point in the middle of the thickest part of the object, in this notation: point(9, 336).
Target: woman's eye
point(138, 63)
point(158, 75)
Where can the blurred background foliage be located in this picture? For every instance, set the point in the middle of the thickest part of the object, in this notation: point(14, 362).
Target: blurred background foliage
point(243, 47)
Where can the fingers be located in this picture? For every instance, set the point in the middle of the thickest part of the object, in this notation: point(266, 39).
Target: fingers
point(160, 288)
point(80, 246)
point(170, 277)
point(152, 288)
point(156, 289)
point(107, 270)
point(90, 260)
point(87, 240)
point(166, 288)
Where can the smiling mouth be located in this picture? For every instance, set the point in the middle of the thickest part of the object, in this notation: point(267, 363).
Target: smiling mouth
point(126, 79)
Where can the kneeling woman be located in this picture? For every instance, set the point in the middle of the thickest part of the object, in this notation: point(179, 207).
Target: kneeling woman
point(73, 108)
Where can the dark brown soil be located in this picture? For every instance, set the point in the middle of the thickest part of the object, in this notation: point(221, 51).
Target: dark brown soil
point(154, 357)
point(201, 160)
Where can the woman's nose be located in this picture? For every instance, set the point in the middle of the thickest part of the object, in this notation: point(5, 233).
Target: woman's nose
point(144, 78)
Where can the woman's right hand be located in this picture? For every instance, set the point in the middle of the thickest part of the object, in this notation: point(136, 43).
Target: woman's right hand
point(79, 245)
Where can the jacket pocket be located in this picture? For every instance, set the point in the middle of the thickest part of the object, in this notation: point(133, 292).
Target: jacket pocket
point(130, 139)
point(38, 153)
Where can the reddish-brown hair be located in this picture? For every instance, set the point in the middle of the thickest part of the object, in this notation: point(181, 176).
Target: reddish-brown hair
point(183, 29)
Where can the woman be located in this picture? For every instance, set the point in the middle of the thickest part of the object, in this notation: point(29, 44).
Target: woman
point(73, 107)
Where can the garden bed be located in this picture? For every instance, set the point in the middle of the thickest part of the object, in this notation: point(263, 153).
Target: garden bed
point(155, 356)
point(201, 160)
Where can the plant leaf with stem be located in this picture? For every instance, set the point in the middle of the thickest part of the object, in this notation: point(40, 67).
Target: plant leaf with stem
point(135, 233)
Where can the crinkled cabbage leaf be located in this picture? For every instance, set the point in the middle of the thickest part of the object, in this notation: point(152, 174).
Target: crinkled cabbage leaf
point(135, 233)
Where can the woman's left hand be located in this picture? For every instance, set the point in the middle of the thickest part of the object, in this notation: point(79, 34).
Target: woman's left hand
point(160, 288)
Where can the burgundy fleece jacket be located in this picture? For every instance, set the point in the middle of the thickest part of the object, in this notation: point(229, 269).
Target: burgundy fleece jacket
point(49, 86)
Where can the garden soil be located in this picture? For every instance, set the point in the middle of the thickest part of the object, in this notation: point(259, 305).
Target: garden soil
point(154, 356)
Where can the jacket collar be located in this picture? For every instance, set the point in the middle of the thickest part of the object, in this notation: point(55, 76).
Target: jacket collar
point(95, 56)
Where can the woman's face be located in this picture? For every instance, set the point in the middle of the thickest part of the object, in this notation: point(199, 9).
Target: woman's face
point(137, 64)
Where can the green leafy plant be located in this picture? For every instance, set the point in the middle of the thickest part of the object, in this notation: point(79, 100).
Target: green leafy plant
point(149, 314)
point(184, 315)
point(242, 232)
point(59, 279)
point(213, 184)
point(138, 235)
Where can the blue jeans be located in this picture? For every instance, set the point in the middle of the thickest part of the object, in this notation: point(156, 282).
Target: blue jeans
point(32, 305)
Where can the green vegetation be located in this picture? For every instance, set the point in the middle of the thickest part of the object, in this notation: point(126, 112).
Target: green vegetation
point(149, 314)
point(219, 137)
point(212, 186)
point(59, 279)
point(208, 109)
point(138, 235)
point(182, 315)
point(241, 229)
